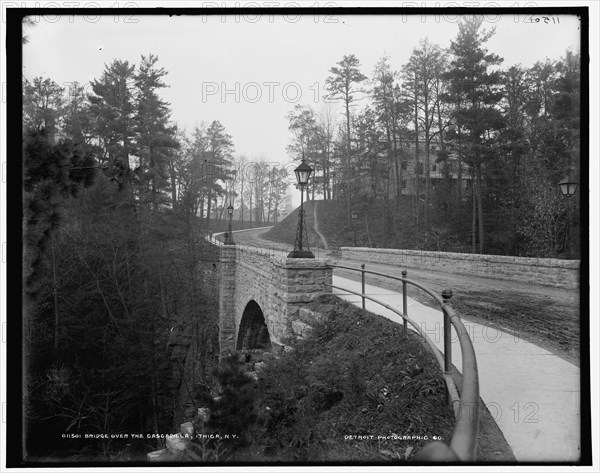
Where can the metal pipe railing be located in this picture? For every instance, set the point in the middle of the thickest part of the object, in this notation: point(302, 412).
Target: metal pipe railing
point(404, 298)
point(447, 295)
point(362, 272)
point(466, 407)
point(436, 297)
point(466, 430)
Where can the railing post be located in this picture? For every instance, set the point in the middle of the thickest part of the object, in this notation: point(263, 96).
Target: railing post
point(447, 296)
point(404, 299)
point(362, 271)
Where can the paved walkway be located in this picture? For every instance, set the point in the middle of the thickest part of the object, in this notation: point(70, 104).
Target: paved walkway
point(533, 395)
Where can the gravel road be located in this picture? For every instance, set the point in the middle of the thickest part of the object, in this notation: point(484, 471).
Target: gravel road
point(546, 316)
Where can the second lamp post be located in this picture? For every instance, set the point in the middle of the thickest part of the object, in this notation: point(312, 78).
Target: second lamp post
point(568, 187)
point(354, 215)
point(229, 236)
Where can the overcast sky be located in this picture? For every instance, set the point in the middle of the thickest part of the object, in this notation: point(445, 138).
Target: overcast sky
point(249, 72)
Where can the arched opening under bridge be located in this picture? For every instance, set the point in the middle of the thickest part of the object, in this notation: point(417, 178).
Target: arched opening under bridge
point(253, 333)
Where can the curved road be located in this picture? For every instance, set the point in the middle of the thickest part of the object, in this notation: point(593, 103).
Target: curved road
point(531, 389)
point(500, 304)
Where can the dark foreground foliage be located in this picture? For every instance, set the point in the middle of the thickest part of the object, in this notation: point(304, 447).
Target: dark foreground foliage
point(357, 374)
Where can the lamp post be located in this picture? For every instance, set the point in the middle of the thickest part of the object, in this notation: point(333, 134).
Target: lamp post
point(354, 218)
point(303, 172)
point(229, 237)
point(568, 187)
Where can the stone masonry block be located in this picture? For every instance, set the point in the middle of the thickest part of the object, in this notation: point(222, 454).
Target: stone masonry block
point(301, 329)
point(309, 317)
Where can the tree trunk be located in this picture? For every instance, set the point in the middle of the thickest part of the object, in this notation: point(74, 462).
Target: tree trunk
point(348, 151)
point(324, 164)
point(242, 204)
point(155, 414)
point(314, 184)
point(480, 210)
point(427, 180)
point(202, 202)
point(427, 126)
point(474, 219)
point(459, 192)
point(368, 233)
point(271, 179)
point(208, 204)
point(440, 126)
point(163, 298)
point(416, 173)
point(55, 293)
point(250, 206)
point(258, 203)
point(397, 169)
point(173, 188)
point(152, 181)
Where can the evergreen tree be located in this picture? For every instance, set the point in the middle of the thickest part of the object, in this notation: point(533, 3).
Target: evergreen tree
point(341, 85)
point(219, 154)
point(385, 104)
point(112, 110)
point(52, 174)
point(474, 88)
point(154, 137)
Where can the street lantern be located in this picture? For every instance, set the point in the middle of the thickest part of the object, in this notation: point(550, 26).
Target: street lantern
point(354, 216)
point(303, 173)
point(568, 186)
point(229, 236)
point(301, 249)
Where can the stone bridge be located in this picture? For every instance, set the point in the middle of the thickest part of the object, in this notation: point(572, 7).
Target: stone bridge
point(261, 293)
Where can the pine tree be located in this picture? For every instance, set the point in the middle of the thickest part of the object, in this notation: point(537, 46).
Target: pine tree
point(474, 89)
point(52, 174)
point(341, 85)
point(154, 136)
point(219, 154)
point(112, 109)
point(384, 102)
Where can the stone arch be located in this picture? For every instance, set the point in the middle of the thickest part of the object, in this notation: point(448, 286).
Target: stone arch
point(253, 332)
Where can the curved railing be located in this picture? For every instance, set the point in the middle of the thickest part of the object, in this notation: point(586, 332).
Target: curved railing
point(463, 445)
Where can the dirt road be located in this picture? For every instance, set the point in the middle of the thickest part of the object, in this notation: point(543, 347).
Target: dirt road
point(546, 316)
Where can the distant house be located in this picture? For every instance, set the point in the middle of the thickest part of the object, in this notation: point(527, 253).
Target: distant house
point(443, 174)
point(443, 169)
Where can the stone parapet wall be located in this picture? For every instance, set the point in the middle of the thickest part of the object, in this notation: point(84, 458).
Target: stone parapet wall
point(545, 271)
